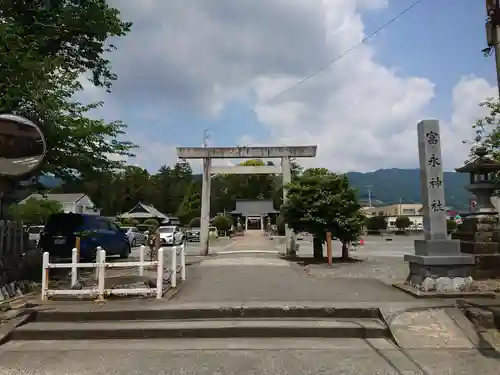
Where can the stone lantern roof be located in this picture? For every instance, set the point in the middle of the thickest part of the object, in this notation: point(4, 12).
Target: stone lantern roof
point(481, 163)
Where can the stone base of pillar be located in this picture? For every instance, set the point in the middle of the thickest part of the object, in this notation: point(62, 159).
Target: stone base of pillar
point(439, 266)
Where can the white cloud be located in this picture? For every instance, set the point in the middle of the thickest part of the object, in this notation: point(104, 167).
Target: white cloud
point(466, 96)
point(200, 54)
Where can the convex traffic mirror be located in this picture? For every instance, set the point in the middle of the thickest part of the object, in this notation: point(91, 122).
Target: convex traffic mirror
point(22, 146)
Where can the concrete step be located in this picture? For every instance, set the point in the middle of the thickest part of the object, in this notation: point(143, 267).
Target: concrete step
point(202, 311)
point(215, 328)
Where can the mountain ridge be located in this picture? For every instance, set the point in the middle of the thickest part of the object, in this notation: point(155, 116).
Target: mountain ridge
point(388, 186)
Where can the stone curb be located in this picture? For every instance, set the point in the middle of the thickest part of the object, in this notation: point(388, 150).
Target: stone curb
point(47, 315)
point(7, 327)
point(202, 329)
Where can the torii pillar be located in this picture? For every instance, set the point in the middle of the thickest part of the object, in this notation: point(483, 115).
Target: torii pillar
point(209, 153)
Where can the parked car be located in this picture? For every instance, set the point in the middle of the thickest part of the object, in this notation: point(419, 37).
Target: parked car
point(59, 236)
point(34, 233)
point(135, 236)
point(193, 235)
point(171, 235)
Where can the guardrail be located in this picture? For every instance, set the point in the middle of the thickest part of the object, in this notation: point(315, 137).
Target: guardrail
point(100, 267)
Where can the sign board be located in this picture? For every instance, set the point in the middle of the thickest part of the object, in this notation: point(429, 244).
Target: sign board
point(22, 146)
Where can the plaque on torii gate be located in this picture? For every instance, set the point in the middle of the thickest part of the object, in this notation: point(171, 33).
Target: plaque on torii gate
point(285, 153)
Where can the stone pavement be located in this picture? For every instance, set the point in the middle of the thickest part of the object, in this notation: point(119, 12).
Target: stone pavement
point(263, 277)
point(241, 357)
point(249, 269)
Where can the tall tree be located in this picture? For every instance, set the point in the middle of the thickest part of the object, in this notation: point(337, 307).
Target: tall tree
point(488, 128)
point(46, 46)
point(191, 204)
point(320, 203)
point(169, 186)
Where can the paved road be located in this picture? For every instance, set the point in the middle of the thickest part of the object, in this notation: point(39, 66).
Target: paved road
point(242, 357)
point(258, 277)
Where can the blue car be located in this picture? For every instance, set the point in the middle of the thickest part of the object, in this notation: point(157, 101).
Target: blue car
point(59, 235)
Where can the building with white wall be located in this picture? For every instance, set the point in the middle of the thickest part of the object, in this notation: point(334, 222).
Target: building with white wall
point(74, 202)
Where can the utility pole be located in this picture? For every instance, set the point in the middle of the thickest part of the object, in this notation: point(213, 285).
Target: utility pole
point(206, 137)
point(205, 200)
point(369, 187)
point(493, 32)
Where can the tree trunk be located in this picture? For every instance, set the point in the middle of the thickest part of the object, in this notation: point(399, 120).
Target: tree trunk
point(318, 247)
point(345, 251)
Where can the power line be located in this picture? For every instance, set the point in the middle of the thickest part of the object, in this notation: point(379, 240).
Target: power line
point(343, 54)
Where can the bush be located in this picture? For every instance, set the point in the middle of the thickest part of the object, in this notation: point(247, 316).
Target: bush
point(152, 224)
point(376, 223)
point(402, 222)
point(130, 222)
point(194, 223)
point(222, 223)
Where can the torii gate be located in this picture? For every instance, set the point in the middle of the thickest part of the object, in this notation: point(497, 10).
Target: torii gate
point(209, 153)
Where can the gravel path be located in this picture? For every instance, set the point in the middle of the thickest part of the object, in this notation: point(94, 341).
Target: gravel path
point(386, 269)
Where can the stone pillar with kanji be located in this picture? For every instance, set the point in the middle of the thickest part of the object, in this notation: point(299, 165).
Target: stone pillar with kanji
point(437, 263)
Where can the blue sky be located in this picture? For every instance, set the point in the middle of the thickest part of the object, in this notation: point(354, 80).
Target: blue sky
point(186, 67)
point(441, 40)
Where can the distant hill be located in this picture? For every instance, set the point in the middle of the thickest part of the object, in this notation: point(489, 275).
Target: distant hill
point(392, 185)
point(49, 181)
point(388, 186)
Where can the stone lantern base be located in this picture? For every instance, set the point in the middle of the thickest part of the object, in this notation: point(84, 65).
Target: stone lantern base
point(479, 236)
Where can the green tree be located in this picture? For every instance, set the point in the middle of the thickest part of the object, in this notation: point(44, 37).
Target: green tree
point(34, 211)
point(152, 224)
point(280, 223)
point(45, 48)
point(191, 204)
point(129, 222)
point(222, 223)
point(488, 128)
point(194, 223)
point(169, 185)
point(134, 187)
point(402, 222)
point(315, 172)
point(376, 223)
point(324, 203)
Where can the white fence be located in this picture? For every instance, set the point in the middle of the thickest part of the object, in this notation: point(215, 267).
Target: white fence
point(101, 265)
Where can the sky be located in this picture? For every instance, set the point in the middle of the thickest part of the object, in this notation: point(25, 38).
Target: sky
point(228, 66)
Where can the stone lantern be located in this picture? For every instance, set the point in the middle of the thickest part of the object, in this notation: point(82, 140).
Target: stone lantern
point(479, 234)
point(482, 171)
